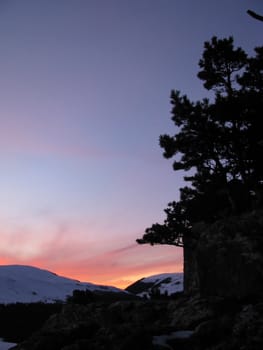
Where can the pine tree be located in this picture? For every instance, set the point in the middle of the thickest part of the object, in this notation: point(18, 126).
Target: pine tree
point(218, 143)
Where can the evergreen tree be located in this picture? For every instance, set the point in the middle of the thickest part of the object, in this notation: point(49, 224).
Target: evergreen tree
point(219, 143)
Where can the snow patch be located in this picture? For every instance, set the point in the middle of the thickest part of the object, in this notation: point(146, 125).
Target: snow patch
point(161, 340)
point(166, 283)
point(27, 284)
point(5, 346)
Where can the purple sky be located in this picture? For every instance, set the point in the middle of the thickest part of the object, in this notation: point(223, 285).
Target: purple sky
point(84, 96)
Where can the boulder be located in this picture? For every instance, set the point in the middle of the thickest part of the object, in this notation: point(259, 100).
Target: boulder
point(227, 259)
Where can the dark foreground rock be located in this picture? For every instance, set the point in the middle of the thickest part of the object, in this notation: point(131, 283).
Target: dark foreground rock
point(181, 324)
point(227, 258)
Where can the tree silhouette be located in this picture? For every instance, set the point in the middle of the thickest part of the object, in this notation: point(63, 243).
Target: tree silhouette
point(219, 143)
point(255, 15)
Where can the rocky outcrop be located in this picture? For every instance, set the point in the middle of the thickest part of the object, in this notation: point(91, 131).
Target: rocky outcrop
point(227, 259)
point(119, 325)
point(181, 324)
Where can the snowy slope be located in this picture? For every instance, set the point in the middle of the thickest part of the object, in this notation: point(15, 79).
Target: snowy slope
point(27, 284)
point(169, 283)
point(5, 345)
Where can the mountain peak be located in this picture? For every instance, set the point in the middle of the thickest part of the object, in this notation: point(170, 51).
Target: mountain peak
point(166, 283)
point(27, 284)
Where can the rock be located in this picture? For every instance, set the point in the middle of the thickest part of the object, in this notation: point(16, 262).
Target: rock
point(248, 327)
point(182, 324)
point(189, 313)
point(227, 259)
point(120, 325)
point(213, 331)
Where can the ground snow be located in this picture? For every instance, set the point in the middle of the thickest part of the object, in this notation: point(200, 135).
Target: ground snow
point(174, 285)
point(27, 284)
point(161, 340)
point(5, 345)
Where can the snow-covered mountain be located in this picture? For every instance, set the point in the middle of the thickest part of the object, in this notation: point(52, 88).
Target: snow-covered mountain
point(28, 284)
point(166, 283)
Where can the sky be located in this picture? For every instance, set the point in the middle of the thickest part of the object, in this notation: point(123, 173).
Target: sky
point(84, 97)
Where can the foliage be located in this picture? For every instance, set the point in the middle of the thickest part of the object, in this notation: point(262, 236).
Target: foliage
point(18, 321)
point(218, 143)
point(81, 297)
point(84, 297)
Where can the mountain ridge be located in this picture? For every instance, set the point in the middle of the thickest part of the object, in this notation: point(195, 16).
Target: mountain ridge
point(164, 283)
point(28, 284)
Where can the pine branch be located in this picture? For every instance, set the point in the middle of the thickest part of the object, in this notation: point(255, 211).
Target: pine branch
point(255, 15)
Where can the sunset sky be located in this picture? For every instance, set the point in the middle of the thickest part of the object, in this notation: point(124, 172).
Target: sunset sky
point(84, 96)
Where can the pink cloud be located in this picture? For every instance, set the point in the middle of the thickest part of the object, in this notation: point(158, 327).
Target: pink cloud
point(75, 255)
point(119, 267)
point(29, 145)
point(27, 137)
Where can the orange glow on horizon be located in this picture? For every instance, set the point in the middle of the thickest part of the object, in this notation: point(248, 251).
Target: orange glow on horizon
point(120, 280)
point(114, 267)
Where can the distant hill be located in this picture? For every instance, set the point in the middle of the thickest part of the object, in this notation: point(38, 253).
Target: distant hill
point(167, 283)
point(27, 284)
